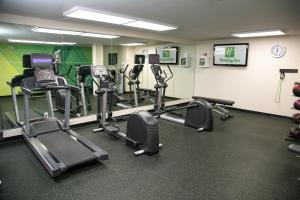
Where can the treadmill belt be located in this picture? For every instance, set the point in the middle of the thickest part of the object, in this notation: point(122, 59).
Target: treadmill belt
point(66, 149)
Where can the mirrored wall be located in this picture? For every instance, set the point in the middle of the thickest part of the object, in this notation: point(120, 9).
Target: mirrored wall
point(75, 55)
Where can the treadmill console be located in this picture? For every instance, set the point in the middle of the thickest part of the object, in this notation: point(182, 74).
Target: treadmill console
point(42, 65)
point(39, 60)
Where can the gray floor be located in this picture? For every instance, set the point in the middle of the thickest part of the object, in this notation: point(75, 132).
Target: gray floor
point(243, 158)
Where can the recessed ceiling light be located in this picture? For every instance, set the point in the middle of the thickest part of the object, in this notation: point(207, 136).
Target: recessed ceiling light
point(259, 33)
point(99, 35)
point(107, 17)
point(150, 26)
point(95, 15)
point(55, 31)
point(66, 32)
point(40, 42)
point(133, 44)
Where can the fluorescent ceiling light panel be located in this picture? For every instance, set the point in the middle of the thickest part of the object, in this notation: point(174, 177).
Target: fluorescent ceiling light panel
point(150, 26)
point(55, 31)
point(99, 35)
point(103, 16)
point(40, 42)
point(95, 15)
point(133, 44)
point(25, 41)
point(65, 32)
point(60, 43)
point(259, 33)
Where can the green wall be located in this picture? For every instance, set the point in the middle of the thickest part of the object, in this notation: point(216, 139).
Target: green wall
point(11, 60)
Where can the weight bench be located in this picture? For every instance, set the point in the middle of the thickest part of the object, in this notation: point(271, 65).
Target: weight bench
point(219, 106)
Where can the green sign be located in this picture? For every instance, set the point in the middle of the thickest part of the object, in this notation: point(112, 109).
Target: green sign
point(229, 52)
point(166, 53)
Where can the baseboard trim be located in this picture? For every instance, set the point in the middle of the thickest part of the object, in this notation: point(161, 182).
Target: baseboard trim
point(257, 112)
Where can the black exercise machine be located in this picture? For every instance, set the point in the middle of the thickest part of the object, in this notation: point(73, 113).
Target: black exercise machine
point(219, 106)
point(16, 118)
point(199, 112)
point(53, 142)
point(133, 82)
point(142, 127)
point(80, 95)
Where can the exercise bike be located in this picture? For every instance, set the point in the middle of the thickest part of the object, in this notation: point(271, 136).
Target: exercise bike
point(199, 113)
point(142, 127)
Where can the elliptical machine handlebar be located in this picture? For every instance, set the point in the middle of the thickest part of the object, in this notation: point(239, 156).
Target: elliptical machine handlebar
point(170, 73)
point(123, 71)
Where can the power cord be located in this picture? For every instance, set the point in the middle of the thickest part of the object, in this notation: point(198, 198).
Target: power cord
point(278, 91)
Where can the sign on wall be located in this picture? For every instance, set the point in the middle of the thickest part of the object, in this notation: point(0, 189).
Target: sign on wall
point(231, 54)
point(168, 55)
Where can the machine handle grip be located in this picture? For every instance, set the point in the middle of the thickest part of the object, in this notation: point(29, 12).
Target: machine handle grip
point(170, 73)
point(126, 68)
point(74, 87)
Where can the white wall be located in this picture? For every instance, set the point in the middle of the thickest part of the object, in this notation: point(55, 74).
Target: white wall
point(252, 87)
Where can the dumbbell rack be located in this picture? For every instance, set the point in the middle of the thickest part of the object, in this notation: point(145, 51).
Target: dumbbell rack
point(294, 135)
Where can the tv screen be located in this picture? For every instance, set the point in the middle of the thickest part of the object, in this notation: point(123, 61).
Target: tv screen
point(112, 58)
point(168, 55)
point(139, 59)
point(231, 54)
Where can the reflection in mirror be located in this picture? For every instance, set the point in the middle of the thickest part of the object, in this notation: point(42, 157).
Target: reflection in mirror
point(17, 41)
point(126, 58)
point(74, 66)
point(180, 59)
point(127, 73)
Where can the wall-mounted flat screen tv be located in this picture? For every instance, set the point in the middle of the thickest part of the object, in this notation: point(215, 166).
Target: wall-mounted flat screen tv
point(231, 54)
point(168, 55)
point(112, 58)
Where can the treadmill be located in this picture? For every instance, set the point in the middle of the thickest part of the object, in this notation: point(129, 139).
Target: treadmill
point(16, 119)
point(57, 146)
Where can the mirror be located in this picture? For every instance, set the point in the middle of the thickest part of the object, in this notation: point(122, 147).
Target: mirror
point(92, 51)
point(16, 41)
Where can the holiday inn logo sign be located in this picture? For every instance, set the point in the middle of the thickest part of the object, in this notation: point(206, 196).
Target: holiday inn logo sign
point(230, 54)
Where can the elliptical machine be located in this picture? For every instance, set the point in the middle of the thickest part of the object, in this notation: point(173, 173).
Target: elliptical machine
point(133, 83)
point(142, 127)
point(199, 113)
point(81, 96)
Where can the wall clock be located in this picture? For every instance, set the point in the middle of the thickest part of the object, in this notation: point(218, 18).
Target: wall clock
point(278, 50)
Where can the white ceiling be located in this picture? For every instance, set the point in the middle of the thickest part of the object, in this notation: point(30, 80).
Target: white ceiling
point(196, 19)
point(15, 31)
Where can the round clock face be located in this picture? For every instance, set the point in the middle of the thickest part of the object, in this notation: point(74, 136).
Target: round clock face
point(278, 50)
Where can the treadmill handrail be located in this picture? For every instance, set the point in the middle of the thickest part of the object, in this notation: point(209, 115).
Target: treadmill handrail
point(42, 89)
